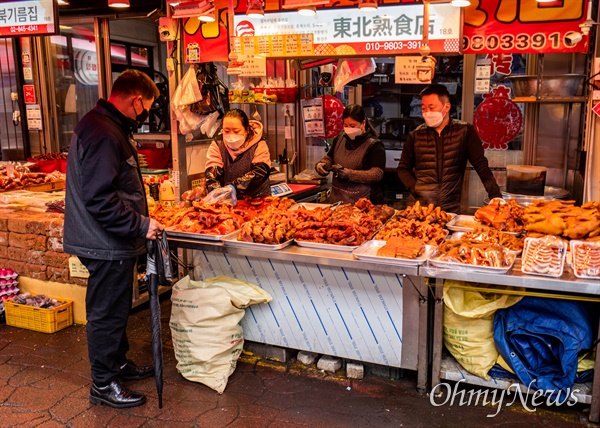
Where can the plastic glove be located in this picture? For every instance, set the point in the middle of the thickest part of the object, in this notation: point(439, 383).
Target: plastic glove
point(343, 174)
point(320, 167)
point(222, 195)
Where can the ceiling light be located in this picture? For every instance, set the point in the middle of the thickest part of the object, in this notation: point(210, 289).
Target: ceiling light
point(174, 2)
point(463, 3)
point(545, 1)
point(63, 2)
point(255, 9)
point(367, 5)
point(207, 17)
point(118, 3)
point(307, 11)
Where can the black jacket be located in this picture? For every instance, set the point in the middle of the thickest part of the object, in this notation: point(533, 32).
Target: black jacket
point(106, 212)
point(433, 166)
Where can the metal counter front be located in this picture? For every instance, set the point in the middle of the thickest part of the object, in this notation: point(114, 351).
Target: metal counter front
point(327, 302)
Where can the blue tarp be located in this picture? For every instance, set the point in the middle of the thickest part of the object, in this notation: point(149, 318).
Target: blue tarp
point(541, 338)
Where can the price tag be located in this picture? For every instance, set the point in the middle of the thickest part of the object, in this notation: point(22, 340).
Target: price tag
point(77, 269)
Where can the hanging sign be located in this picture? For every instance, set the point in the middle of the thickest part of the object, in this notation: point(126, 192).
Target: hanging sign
point(526, 27)
point(28, 18)
point(312, 116)
point(389, 30)
point(406, 69)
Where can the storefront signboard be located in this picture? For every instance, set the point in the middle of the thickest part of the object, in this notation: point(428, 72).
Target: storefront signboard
point(28, 18)
point(525, 26)
point(389, 30)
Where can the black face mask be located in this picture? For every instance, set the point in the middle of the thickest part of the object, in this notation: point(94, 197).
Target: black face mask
point(140, 118)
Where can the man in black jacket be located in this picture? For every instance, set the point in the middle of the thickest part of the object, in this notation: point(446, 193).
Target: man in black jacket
point(106, 226)
point(435, 155)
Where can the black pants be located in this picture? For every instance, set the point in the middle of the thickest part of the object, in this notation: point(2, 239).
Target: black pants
point(108, 302)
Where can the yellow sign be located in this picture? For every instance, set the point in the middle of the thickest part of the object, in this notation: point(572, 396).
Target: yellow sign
point(77, 269)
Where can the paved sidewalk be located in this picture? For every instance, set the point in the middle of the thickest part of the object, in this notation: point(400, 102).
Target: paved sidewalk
point(45, 381)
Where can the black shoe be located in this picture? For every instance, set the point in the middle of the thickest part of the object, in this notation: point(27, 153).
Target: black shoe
point(132, 372)
point(115, 395)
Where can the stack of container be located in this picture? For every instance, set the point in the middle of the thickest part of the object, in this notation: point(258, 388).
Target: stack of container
point(9, 288)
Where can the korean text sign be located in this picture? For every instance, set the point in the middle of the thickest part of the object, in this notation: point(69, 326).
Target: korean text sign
point(28, 18)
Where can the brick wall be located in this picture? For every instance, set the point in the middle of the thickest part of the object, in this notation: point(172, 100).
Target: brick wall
point(31, 245)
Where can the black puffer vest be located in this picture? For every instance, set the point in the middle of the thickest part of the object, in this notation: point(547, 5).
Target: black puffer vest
point(440, 163)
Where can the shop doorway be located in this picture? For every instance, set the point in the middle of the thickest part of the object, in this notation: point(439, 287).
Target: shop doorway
point(11, 131)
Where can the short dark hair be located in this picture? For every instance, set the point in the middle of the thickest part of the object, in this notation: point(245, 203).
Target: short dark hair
point(243, 117)
point(437, 89)
point(135, 82)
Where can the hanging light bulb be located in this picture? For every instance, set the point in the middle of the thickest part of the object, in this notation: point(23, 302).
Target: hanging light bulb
point(367, 5)
point(464, 3)
point(255, 9)
point(118, 3)
point(307, 11)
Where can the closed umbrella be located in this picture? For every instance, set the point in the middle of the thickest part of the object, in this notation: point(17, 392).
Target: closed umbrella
point(158, 272)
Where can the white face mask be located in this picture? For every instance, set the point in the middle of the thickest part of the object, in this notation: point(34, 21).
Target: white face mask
point(433, 118)
point(234, 141)
point(352, 133)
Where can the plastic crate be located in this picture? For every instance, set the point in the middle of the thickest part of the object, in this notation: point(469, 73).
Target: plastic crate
point(39, 319)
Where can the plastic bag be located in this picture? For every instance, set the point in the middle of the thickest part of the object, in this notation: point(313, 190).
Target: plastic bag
point(186, 94)
point(469, 326)
point(352, 69)
point(206, 326)
point(222, 195)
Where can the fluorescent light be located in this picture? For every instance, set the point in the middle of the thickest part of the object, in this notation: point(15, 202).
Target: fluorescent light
point(464, 3)
point(367, 5)
point(118, 3)
point(307, 11)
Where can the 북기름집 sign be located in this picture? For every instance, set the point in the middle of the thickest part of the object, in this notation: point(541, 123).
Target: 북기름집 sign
point(389, 30)
point(28, 18)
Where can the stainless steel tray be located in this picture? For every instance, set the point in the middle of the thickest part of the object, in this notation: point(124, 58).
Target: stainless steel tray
point(322, 246)
point(189, 235)
point(368, 251)
point(231, 240)
point(455, 266)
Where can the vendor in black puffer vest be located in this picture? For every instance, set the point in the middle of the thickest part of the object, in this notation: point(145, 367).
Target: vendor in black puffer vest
point(357, 158)
point(435, 155)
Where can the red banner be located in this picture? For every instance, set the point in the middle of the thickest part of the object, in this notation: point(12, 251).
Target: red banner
point(524, 26)
point(207, 41)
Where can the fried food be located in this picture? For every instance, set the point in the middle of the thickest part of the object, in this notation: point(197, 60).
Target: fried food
point(429, 233)
point(473, 253)
point(430, 214)
point(502, 215)
point(494, 236)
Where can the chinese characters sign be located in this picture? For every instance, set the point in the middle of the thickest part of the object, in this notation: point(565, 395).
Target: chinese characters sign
point(389, 30)
point(28, 18)
point(291, 45)
point(525, 26)
point(312, 115)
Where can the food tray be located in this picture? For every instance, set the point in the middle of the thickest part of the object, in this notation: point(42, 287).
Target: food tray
point(308, 206)
point(189, 235)
point(534, 262)
point(455, 266)
point(585, 259)
point(231, 240)
point(323, 246)
point(368, 251)
point(39, 319)
point(466, 223)
point(459, 235)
